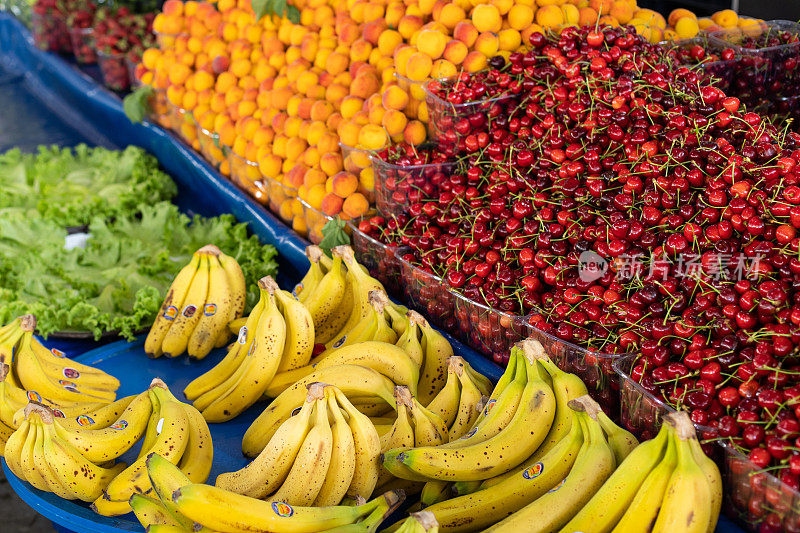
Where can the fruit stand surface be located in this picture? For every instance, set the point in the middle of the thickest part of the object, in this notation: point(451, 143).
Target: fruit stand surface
point(46, 100)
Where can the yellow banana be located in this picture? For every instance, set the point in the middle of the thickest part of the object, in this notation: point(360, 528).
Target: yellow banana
point(152, 431)
point(231, 362)
point(435, 492)
point(501, 407)
point(236, 282)
point(364, 330)
point(99, 418)
point(150, 511)
point(593, 465)
point(434, 369)
point(713, 477)
point(566, 387)
point(14, 447)
point(608, 504)
point(177, 337)
point(360, 283)
point(9, 329)
point(324, 301)
point(400, 322)
point(687, 504)
point(171, 307)
point(493, 456)
point(39, 460)
point(622, 442)
point(476, 511)
point(165, 528)
point(32, 377)
point(410, 338)
point(5, 434)
point(170, 444)
point(196, 460)
point(26, 459)
point(259, 367)
point(101, 445)
point(642, 512)
point(367, 446)
point(215, 312)
point(299, 332)
point(384, 331)
point(62, 368)
point(429, 428)
point(307, 475)
point(350, 379)
point(446, 403)
point(343, 458)
point(165, 479)
point(80, 477)
point(265, 474)
point(202, 504)
point(470, 403)
point(313, 275)
point(387, 359)
point(402, 435)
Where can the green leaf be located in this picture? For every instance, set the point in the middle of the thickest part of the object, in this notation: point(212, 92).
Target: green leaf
point(293, 14)
point(333, 235)
point(137, 104)
point(260, 8)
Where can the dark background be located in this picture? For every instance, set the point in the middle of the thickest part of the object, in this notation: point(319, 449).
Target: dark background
point(764, 9)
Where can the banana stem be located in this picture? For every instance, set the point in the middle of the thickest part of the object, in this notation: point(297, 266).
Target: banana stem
point(378, 300)
point(682, 424)
point(533, 349)
point(316, 391)
point(43, 411)
point(455, 364)
point(28, 323)
point(268, 284)
point(157, 382)
point(586, 405)
point(426, 519)
point(402, 396)
point(209, 249)
point(314, 253)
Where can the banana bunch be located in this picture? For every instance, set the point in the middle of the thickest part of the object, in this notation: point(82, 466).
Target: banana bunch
point(174, 430)
point(354, 381)
point(178, 505)
point(38, 453)
point(666, 484)
point(336, 293)
point(204, 297)
point(277, 336)
point(574, 469)
point(499, 441)
point(462, 400)
point(13, 401)
point(326, 452)
point(414, 426)
point(420, 522)
point(47, 373)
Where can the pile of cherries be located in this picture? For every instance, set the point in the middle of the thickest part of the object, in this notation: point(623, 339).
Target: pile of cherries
point(620, 203)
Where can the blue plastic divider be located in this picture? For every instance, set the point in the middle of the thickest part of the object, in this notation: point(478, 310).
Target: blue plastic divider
point(96, 115)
